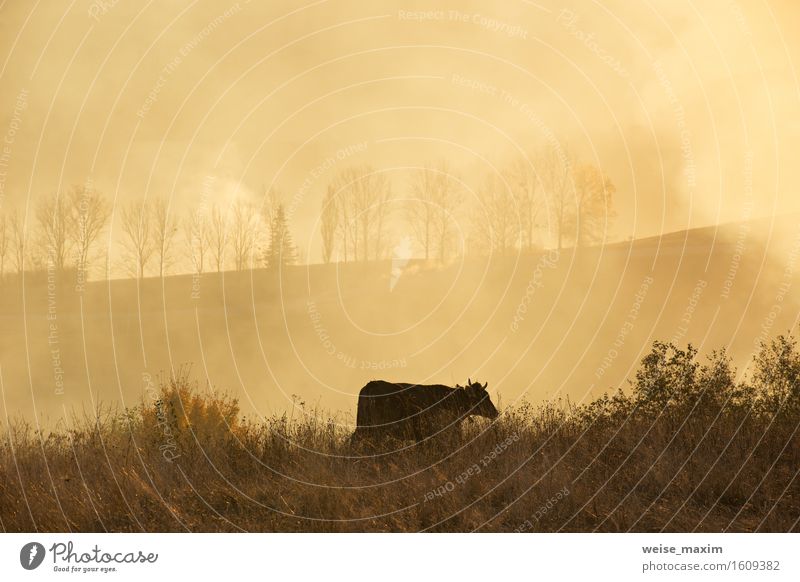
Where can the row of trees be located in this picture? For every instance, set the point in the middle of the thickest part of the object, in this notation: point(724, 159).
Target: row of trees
point(67, 232)
point(550, 198)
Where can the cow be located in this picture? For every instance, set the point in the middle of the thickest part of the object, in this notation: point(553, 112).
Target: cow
point(417, 412)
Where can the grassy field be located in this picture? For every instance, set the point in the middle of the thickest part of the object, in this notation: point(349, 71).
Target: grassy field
point(529, 325)
point(685, 447)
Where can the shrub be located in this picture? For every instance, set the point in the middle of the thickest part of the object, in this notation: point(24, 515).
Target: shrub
point(776, 376)
point(183, 418)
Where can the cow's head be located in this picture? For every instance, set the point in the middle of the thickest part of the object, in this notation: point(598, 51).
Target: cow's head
point(479, 401)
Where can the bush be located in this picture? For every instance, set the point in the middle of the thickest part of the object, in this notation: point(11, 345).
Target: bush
point(776, 377)
point(686, 448)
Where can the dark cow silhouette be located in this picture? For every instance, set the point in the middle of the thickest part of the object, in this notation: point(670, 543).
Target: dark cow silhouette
point(415, 412)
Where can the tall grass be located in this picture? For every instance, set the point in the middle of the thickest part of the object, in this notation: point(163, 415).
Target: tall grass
point(686, 447)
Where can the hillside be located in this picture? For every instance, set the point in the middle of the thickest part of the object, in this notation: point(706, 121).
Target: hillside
point(541, 325)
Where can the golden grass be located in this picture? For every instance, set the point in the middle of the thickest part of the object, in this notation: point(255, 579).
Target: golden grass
point(685, 448)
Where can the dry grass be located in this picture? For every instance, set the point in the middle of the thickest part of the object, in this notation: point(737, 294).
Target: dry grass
point(685, 448)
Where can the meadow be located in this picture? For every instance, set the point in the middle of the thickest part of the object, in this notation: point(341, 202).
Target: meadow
point(684, 447)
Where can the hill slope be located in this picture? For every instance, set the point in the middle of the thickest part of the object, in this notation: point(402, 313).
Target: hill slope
point(572, 323)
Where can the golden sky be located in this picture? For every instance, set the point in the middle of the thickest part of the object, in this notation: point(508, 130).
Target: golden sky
point(692, 108)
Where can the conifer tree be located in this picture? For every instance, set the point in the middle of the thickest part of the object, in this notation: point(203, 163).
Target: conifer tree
point(281, 250)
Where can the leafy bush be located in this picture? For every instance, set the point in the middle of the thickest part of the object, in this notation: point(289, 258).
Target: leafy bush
point(183, 414)
point(776, 377)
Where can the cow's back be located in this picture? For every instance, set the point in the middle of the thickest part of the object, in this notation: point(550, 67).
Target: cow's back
point(401, 410)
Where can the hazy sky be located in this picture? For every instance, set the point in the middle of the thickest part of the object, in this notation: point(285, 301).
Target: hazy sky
point(692, 108)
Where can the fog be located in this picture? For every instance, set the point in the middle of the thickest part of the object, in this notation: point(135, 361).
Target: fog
point(690, 110)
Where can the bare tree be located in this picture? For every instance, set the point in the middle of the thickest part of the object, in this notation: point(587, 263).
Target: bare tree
point(380, 191)
point(218, 237)
point(420, 210)
point(362, 195)
point(165, 229)
point(447, 198)
point(496, 222)
point(243, 234)
point(19, 241)
point(555, 166)
point(52, 215)
point(342, 187)
point(197, 233)
point(329, 223)
point(340, 199)
point(269, 206)
point(593, 197)
point(526, 188)
point(139, 239)
point(88, 215)
point(437, 195)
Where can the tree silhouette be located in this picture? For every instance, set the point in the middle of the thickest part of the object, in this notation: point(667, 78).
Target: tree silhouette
point(19, 240)
point(281, 251)
point(526, 187)
point(54, 242)
point(362, 195)
point(496, 220)
point(197, 235)
point(430, 213)
point(243, 233)
point(593, 197)
point(218, 236)
point(554, 166)
point(87, 217)
point(139, 240)
point(166, 227)
point(329, 223)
